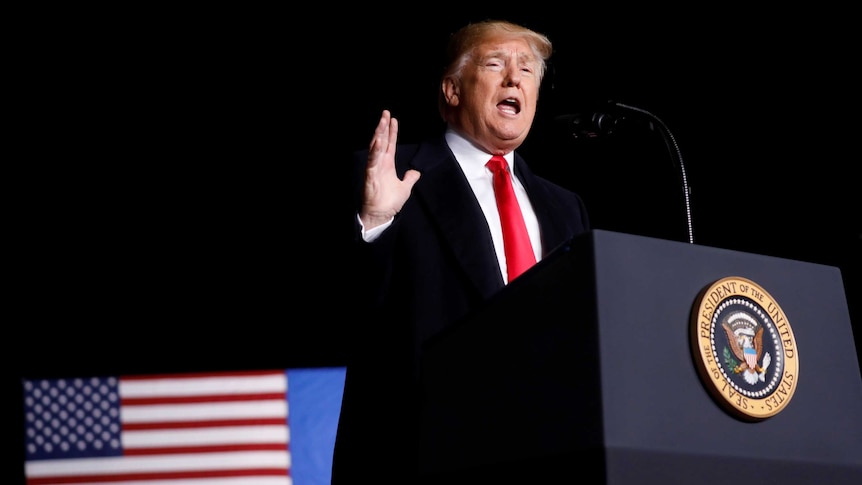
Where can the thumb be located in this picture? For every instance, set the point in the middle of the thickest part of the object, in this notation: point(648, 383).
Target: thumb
point(411, 177)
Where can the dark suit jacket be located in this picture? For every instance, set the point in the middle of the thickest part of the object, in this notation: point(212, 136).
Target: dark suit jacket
point(429, 270)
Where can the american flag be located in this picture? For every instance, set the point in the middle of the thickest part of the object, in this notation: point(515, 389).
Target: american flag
point(225, 428)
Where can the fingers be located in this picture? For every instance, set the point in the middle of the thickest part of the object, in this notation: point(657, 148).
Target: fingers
point(384, 140)
point(380, 130)
point(393, 135)
point(386, 132)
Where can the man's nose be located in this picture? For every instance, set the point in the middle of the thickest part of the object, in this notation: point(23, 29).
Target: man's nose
point(512, 75)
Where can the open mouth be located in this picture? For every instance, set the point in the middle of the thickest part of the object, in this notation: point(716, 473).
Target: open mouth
point(510, 105)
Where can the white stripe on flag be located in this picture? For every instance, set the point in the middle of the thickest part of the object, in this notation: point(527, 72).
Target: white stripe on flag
point(231, 435)
point(202, 412)
point(202, 386)
point(165, 463)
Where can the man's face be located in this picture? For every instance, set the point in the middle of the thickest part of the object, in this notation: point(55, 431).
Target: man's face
point(497, 94)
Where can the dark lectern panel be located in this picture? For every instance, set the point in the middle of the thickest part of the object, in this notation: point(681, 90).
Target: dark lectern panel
point(588, 355)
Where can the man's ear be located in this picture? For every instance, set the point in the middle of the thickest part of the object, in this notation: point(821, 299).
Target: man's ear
point(451, 91)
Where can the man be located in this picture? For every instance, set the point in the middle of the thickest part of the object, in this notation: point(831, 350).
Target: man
point(429, 242)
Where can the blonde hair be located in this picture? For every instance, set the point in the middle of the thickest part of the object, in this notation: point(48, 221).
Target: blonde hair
point(462, 45)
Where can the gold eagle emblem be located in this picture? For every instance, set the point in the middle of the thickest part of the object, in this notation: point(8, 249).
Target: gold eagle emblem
point(745, 336)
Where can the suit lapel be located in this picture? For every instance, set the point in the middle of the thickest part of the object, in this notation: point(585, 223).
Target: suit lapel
point(548, 213)
point(457, 214)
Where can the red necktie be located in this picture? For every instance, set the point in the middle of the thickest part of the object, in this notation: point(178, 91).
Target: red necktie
point(516, 241)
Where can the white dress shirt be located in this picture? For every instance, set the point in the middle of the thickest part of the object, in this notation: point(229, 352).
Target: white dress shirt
point(472, 160)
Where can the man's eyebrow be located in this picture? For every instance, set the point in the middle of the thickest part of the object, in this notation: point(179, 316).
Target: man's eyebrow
point(492, 55)
point(525, 57)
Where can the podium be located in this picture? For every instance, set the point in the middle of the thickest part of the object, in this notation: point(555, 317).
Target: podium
point(586, 369)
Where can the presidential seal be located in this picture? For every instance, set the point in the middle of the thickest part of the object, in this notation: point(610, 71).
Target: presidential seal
point(744, 349)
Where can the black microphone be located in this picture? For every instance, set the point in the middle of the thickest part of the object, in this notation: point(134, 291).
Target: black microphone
point(592, 124)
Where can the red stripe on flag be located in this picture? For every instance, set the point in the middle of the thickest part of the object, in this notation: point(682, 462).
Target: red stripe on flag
point(146, 401)
point(203, 424)
point(132, 477)
point(177, 450)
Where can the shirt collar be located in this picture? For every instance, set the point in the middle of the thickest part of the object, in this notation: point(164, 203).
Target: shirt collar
point(471, 158)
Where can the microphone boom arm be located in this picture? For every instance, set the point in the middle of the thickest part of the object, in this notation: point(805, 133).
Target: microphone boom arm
point(676, 156)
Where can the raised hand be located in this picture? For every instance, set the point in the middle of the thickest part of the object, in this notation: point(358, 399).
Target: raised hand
point(385, 193)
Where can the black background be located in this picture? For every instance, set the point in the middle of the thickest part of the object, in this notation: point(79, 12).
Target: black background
point(181, 172)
